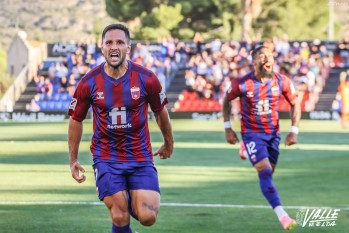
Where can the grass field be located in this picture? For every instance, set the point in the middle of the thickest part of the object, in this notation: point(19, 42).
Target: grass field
point(206, 188)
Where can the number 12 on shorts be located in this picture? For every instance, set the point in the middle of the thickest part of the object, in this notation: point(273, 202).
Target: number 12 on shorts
point(251, 147)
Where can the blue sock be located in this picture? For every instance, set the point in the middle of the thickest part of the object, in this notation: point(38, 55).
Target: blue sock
point(267, 187)
point(124, 229)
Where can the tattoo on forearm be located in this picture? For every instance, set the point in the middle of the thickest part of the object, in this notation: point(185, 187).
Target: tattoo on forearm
point(151, 207)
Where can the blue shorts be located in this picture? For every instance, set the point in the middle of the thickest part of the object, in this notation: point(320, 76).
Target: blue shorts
point(114, 177)
point(261, 145)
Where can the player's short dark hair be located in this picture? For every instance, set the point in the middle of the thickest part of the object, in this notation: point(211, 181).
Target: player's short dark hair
point(116, 26)
point(256, 50)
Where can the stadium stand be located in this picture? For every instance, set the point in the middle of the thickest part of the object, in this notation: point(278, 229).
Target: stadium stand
point(57, 78)
point(209, 72)
point(196, 74)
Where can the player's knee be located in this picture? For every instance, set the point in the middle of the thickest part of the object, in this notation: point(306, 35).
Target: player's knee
point(120, 218)
point(149, 219)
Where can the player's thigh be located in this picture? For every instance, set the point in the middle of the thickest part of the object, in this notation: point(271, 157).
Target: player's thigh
point(145, 202)
point(144, 189)
point(117, 201)
point(118, 208)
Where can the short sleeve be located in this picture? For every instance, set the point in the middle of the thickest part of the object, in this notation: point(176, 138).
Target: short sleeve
point(288, 90)
point(80, 102)
point(156, 96)
point(234, 90)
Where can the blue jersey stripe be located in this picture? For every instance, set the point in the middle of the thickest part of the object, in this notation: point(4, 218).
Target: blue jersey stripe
point(109, 93)
point(143, 111)
point(270, 98)
point(255, 101)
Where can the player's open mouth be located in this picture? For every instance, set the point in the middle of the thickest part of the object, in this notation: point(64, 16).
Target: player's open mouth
point(267, 67)
point(114, 56)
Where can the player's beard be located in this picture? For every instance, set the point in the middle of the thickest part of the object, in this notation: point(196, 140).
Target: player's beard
point(264, 72)
point(117, 65)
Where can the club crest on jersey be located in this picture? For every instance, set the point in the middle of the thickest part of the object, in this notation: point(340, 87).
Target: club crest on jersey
point(254, 158)
point(135, 93)
point(73, 103)
point(275, 91)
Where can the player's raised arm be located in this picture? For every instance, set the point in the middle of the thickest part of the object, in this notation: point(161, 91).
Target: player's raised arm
point(74, 137)
point(164, 123)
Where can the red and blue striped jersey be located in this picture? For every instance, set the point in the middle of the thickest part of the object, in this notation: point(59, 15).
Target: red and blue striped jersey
point(120, 112)
point(259, 101)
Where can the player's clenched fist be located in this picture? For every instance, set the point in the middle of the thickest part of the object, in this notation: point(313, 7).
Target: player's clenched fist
point(291, 139)
point(231, 136)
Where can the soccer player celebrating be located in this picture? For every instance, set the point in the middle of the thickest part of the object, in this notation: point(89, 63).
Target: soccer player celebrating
point(259, 93)
point(119, 92)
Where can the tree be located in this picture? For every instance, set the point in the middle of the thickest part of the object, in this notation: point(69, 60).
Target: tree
point(226, 19)
point(125, 10)
point(299, 19)
point(159, 22)
point(250, 9)
point(213, 18)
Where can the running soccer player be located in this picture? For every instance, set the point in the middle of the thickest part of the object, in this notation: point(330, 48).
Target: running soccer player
point(259, 93)
point(119, 92)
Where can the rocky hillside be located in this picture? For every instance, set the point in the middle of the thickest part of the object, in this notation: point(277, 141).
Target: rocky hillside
point(52, 20)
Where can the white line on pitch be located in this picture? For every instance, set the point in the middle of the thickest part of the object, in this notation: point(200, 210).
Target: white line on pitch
point(167, 204)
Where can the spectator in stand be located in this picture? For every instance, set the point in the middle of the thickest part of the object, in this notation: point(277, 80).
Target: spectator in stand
point(63, 85)
point(40, 84)
point(282, 46)
point(189, 80)
point(198, 40)
point(61, 70)
point(181, 56)
point(48, 89)
point(52, 71)
point(199, 86)
point(33, 105)
point(71, 84)
point(343, 51)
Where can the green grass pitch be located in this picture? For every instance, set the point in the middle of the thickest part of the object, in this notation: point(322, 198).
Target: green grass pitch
point(38, 195)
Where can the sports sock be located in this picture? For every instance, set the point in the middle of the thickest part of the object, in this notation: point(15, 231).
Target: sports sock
point(124, 229)
point(280, 212)
point(267, 187)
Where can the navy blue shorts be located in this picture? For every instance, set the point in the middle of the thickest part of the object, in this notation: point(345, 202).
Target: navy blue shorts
point(114, 177)
point(261, 145)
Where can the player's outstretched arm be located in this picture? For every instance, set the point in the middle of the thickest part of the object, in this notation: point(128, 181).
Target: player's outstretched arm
point(164, 123)
point(74, 137)
point(295, 113)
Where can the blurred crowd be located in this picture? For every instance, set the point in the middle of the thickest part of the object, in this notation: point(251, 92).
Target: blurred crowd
point(208, 69)
point(57, 79)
